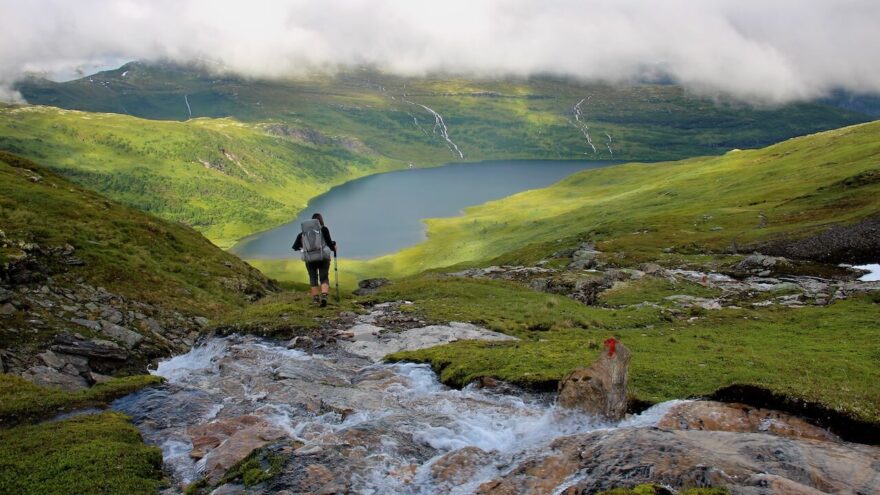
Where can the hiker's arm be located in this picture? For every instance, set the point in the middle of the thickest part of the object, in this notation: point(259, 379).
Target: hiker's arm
point(329, 241)
point(298, 243)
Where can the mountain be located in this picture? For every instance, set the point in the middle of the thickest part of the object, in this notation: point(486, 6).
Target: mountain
point(437, 119)
point(225, 178)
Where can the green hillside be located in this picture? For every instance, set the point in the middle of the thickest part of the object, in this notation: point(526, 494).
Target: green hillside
point(224, 178)
point(57, 234)
point(513, 118)
point(664, 211)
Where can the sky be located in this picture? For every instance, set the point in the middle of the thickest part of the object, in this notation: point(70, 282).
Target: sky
point(766, 52)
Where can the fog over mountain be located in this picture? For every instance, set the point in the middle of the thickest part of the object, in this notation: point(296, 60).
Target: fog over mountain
point(763, 51)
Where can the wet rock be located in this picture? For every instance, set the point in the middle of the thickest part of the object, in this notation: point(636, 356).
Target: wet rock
point(223, 443)
point(746, 463)
point(301, 342)
point(97, 348)
point(720, 416)
point(601, 388)
point(370, 286)
point(459, 466)
point(128, 337)
point(50, 377)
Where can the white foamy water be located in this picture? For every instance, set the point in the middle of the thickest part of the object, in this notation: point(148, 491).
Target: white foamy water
point(402, 418)
point(873, 274)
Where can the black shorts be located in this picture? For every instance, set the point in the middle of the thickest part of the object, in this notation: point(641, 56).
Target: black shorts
point(316, 268)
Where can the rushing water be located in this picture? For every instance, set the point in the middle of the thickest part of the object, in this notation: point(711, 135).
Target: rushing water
point(873, 274)
point(402, 418)
point(383, 213)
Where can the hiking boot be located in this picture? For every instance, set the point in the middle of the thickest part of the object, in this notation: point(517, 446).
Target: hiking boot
point(323, 300)
point(316, 300)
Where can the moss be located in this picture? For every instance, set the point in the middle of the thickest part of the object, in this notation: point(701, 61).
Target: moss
point(101, 453)
point(22, 401)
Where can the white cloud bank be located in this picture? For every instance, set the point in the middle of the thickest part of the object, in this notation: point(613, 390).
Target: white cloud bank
point(768, 51)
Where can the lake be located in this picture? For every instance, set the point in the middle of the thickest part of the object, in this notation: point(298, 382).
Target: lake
point(383, 213)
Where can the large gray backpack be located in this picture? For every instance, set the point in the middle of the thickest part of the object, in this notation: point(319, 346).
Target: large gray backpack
point(313, 246)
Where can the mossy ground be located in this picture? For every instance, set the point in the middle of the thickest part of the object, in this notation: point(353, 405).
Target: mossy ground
point(826, 355)
point(94, 453)
point(22, 401)
point(99, 453)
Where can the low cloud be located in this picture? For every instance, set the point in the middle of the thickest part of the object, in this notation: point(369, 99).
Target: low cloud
point(769, 51)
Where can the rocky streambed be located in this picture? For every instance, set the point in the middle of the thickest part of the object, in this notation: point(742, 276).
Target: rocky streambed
point(334, 419)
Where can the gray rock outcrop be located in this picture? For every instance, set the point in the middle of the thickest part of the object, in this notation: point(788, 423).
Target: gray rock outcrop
point(601, 388)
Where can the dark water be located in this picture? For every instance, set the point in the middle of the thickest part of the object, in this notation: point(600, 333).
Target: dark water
point(383, 213)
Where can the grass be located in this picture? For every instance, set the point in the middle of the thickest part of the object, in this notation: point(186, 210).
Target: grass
point(22, 401)
point(826, 355)
point(100, 453)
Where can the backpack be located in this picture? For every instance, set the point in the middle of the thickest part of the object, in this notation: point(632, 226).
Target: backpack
point(313, 246)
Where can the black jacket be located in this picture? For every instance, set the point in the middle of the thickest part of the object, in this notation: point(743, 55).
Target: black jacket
point(298, 243)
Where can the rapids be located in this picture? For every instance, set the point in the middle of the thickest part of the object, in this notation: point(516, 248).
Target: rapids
point(404, 419)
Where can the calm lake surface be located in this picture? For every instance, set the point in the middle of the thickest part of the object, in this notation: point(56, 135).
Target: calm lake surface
point(381, 214)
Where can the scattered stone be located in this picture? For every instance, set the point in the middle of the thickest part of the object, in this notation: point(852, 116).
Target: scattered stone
point(7, 309)
point(97, 348)
point(128, 337)
point(49, 377)
point(90, 324)
point(370, 286)
point(301, 342)
point(200, 321)
point(601, 388)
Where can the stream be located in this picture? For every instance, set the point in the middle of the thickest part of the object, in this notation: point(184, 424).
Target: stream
point(390, 428)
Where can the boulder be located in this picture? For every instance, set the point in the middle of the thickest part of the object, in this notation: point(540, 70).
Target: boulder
point(720, 416)
point(601, 388)
point(50, 377)
point(97, 348)
point(128, 337)
point(90, 324)
point(370, 286)
point(60, 361)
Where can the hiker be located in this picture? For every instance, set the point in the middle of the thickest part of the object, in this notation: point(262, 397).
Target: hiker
point(316, 245)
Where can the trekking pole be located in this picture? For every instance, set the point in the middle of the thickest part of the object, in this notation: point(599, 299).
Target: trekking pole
point(336, 272)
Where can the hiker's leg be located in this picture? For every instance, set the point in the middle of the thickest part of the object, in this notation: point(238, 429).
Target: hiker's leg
point(324, 270)
point(312, 268)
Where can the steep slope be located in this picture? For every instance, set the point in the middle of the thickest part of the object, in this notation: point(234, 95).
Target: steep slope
point(225, 178)
point(782, 198)
point(439, 119)
point(106, 286)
